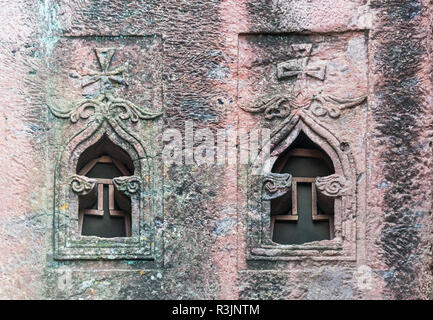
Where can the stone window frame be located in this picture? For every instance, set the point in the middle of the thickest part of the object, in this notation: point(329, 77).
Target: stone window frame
point(260, 246)
point(69, 244)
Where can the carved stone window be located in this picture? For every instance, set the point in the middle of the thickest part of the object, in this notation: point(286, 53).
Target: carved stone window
point(302, 205)
point(108, 186)
point(102, 211)
point(303, 215)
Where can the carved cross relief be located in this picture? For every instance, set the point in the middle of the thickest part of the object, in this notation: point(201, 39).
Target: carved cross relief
point(105, 106)
point(284, 103)
point(106, 76)
point(299, 67)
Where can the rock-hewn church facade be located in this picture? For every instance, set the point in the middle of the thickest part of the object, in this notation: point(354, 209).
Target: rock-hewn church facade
point(216, 149)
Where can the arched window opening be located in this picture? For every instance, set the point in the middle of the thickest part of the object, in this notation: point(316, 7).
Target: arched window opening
point(105, 212)
point(302, 215)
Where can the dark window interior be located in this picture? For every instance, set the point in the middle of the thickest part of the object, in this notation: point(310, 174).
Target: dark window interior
point(303, 159)
point(98, 215)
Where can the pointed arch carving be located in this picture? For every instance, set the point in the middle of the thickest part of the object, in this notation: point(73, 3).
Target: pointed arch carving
point(145, 198)
point(343, 244)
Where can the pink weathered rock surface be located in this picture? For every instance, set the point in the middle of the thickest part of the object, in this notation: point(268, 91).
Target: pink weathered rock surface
point(364, 95)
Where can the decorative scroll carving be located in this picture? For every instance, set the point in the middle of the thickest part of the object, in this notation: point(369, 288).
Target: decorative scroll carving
point(276, 185)
point(127, 185)
point(332, 186)
point(322, 105)
point(82, 185)
point(282, 106)
point(105, 105)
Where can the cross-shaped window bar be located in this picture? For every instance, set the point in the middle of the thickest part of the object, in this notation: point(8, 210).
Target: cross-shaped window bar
point(105, 189)
point(303, 193)
point(293, 216)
